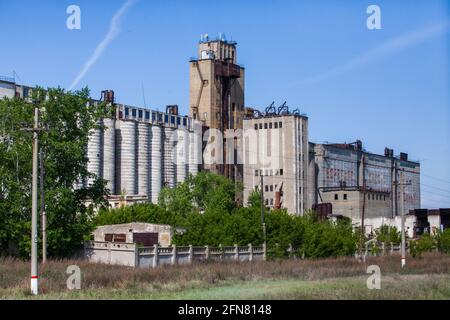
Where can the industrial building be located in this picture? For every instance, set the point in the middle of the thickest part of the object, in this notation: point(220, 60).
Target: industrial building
point(10, 89)
point(216, 98)
point(139, 151)
point(276, 154)
point(357, 182)
point(343, 179)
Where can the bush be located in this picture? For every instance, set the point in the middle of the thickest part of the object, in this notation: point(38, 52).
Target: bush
point(424, 244)
point(443, 241)
point(388, 234)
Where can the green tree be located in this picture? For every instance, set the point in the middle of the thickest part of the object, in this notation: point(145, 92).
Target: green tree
point(388, 234)
point(68, 117)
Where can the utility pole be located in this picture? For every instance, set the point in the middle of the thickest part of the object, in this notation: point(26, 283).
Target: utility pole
point(43, 213)
point(34, 283)
point(362, 236)
point(403, 245)
point(263, 224)
point(34, 207)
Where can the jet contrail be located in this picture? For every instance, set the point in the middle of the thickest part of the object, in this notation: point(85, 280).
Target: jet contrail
point(386, 48)
point(113, 32)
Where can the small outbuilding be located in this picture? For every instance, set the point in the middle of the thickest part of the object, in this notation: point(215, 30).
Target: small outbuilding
point(143, 234)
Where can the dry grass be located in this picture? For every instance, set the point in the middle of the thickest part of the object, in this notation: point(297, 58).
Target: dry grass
point(14, 274)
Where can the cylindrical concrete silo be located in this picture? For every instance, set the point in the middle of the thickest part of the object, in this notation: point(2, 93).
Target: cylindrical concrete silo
point(169, 157)
point(128, 181)
point(95, 153)
point(193, 154)
point(182, 153)
point(109, 154)
point(143, 157)
point(156, 162)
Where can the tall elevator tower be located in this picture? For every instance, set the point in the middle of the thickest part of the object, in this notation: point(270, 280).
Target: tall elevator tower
point(216, 96)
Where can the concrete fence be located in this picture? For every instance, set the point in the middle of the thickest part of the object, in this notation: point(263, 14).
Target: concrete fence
point(129, 254)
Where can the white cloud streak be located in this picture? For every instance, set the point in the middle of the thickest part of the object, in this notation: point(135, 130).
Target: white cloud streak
point(113, 32)
point(389, 47)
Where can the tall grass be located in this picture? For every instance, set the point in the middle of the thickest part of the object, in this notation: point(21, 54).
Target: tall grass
point(14, 274)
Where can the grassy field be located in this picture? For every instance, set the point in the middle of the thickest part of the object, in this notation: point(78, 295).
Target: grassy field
point(341, 278)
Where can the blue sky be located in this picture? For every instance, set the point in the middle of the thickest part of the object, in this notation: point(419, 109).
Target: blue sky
point(387, 87)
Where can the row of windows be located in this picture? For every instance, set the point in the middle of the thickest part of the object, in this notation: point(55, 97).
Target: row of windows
point(270, 187)
point(141, 114)
point(267, 201)
point(377, 197)
point(269, 172)
point(269, 125)
point(372, 196)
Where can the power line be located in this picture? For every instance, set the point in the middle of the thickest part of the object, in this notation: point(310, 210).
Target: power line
point(440, 189)
point(438, 179)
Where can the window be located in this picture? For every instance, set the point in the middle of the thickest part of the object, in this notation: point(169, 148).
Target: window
point(172, 119)
point(345, 196)
point(265, 125)
point(384, 198)
point(178, 121)
point(140, 114)
point(336, 197)
point(147, 115)
point(271, 187)
point(271, 202)
point(127, 112)
point(166, 118)
point(153, 116)
point(276, 125)
point(133, 112)
point(260, 125)
point(256, 126)
point(256, 173)
point(266, 188)
point(160, 117)
point(184, 122)
point(270, 125)
point(280, 124)
point(281, 172)
point(267, 202)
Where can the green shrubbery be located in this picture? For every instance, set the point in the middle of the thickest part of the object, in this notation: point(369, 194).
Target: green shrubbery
point(443, 241)
point(388, 235)
point(428, 243)
point(425, 243)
